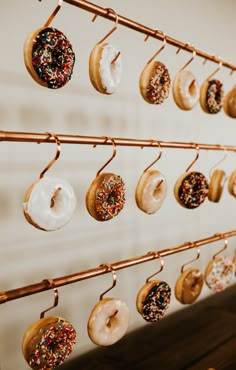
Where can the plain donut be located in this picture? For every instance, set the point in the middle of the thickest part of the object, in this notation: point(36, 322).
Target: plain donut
point(108, 321)
point(230, 103)
point(216, 185)
point(189, 285)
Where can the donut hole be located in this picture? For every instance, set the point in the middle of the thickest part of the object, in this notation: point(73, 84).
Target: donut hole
point(192, 89)
point(156, 191)
point(111, 319)
point(56, 200)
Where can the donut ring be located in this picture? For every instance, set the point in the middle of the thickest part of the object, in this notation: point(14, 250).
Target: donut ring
point(189, 285)
point(212, 96)
point(108, 321)
point(105, 68)
point(230, 103)
point(154, 83)
point(185, 90)
point(153, 299)
point(49, 203)
point(105, 197)
point(219, 273)
point(150, 191)
point(216, 185)
point(191, 189)
point(232, 184)
point(48, 342)
point(49, 57)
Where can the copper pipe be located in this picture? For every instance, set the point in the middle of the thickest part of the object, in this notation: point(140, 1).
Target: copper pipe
point(102, 12)
point(102, 269)
point(40, 138)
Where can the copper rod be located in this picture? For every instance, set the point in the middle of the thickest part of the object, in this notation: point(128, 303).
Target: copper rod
point(102, 12)
point(31, 137)
point(87, 274)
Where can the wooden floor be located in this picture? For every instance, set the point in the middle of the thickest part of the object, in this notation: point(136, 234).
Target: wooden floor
point(199, 337)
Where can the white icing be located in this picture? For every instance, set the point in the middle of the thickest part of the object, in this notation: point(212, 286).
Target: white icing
point(110, 73)
point(51, 203)
point(154, 192)
point(221, 275)
point(188, 89)
point(108, 321)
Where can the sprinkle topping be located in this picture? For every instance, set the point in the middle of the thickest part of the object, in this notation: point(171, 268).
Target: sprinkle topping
point(159, 84)
point(221, 275)
point(53, 57)
point(214, 96)
point(110, 197)
point(156, 302)
point(193, 190)
point(55, 344)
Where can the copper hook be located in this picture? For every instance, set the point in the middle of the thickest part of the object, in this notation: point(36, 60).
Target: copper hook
point(195, 159)
point(192, 244)
point(109, 268)
point(56, 156)
point(221, 160)
point(113, 29)
point(213, 73)
point(190, 60)
point(155, 255)
point(113, 154)
point(161, 48)
point(222, 249)
point(54, 13)
point(159, 154)
point(56, 296)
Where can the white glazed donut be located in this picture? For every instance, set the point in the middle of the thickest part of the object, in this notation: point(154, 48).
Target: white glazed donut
point(49, 203)
point(186, 90)
point(150, 191)
point(105, 68)
point(108, 321)
point(219, 273)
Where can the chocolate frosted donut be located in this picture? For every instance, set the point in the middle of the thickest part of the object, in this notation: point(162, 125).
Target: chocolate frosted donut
point(191, 189)
point(154, 83)
point(49, 57)
point(153, 299)
point(212, 96)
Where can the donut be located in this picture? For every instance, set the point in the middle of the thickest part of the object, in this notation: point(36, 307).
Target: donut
point(216, 185)
point(49, 203)
point(150, 191)
point(49, 57)
point(48, 342)
point(219, 273)
point(189, 285)
point(212, 96)
point(191, 189)
point(153, 299)
point(105, 197)
point(185, 90)
point(154, 83)
point(232, 184)
point(105, 68)
point(230, 103)
point(108, 321)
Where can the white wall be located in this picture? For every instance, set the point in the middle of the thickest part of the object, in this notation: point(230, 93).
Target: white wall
point(29, 255)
